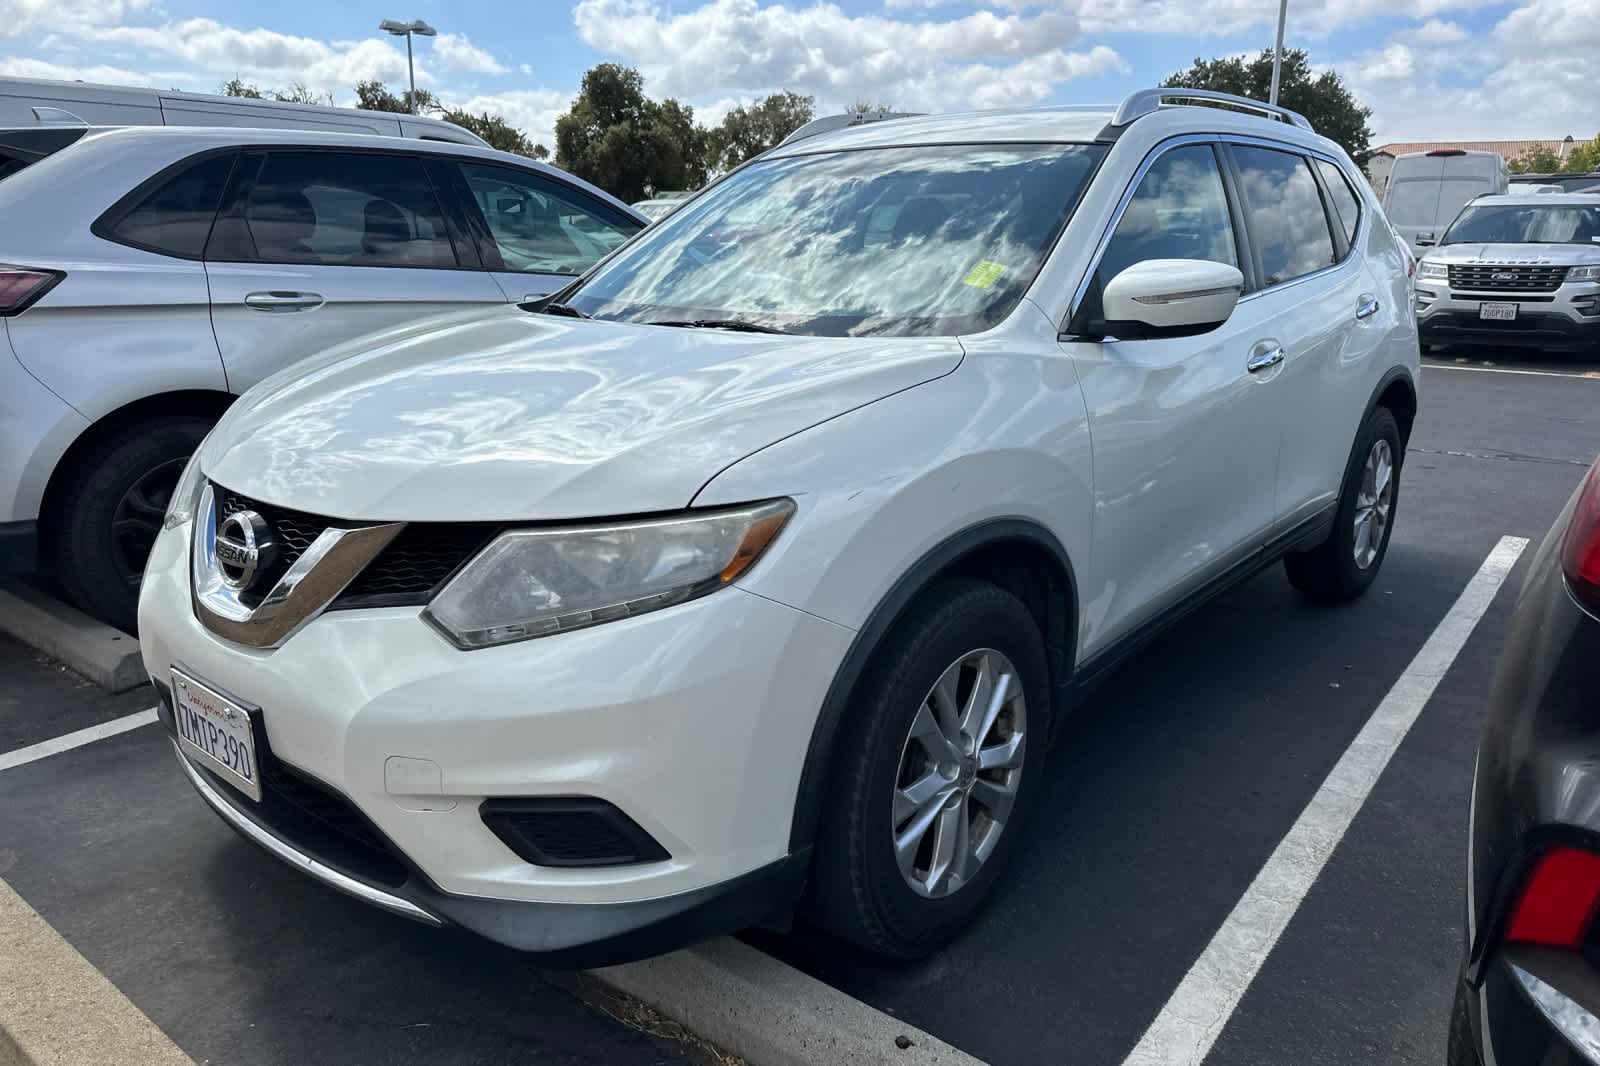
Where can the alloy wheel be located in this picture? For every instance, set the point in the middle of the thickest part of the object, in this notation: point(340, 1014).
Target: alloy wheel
point(959, 773)
point(1373, 503)
point(138, 518)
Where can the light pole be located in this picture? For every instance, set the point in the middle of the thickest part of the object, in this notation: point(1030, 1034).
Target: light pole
point(422, 29)
point(1277, 53)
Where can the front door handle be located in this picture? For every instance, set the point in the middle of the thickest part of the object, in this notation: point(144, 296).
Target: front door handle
point(1366, 306)
point(1264, 357)
point(283, 301)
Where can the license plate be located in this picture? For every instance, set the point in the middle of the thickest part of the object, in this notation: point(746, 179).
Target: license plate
point(1498, 312)
point(216, 731)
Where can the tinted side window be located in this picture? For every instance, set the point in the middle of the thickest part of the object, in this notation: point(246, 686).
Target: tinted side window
point(346, 210)
point(175, 217)
point(541, 226)
point(1344, 197)
point(1179, 211)
point(1284, 212)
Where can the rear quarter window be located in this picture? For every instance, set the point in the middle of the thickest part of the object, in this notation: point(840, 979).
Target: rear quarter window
point(174, 215)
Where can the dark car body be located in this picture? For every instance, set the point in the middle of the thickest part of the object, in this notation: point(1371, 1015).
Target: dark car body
point(1530, 984)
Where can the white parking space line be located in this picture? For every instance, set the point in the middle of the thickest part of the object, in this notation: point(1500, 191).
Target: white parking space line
point(1589, 375)
point(1194, 1016)
point(46, 748)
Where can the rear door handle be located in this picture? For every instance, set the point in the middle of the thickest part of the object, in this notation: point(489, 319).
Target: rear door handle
point(283, 301)
point(1264, 356)
point(1366, 306)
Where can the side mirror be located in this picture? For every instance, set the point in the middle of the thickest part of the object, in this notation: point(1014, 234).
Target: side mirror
point(1170, 298)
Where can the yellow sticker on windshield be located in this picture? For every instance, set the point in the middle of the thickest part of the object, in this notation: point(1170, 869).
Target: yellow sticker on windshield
point(984, 275)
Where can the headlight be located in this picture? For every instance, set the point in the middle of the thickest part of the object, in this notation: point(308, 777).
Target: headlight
point(1586, 273)
point(534, 582)
point(1428, 269)
point(185, 495)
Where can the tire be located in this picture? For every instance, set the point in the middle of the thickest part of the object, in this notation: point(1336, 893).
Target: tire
point(114, 501)
point(858, 890)
point(1460, 1050)
point(1335, 571)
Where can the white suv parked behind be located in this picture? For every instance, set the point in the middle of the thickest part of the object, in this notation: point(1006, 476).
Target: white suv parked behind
point(759, 567)
point(148, 275)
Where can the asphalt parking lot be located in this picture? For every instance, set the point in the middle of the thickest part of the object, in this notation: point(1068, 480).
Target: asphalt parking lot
point(1169, 792)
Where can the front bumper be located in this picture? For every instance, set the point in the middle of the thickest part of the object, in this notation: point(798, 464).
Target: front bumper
point(1547, 320)
point(693, 721)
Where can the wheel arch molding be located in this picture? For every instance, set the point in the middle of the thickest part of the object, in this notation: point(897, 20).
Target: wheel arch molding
point(1018, 554)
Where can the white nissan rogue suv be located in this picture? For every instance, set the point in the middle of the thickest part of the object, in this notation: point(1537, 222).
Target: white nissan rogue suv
point(753, 570)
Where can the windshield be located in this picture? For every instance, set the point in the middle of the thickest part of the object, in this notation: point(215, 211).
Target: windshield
point(1526, 224)
point(886, 241)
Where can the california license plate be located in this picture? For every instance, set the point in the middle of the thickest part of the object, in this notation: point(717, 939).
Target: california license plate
point(215, 731)
point(1498, 312)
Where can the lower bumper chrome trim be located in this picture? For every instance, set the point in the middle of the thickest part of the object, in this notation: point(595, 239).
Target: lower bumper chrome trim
point(296, 858)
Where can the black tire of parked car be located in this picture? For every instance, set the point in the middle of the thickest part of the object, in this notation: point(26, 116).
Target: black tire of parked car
point(856, 890)
point(1328, 573)
point(114, 498)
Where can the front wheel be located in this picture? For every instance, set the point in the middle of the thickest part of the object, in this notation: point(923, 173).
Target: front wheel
point(938, 762)
point(1343, 566)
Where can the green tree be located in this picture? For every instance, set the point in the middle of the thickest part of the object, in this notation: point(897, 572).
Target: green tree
point(240, 88)
point(1323, 98)
point(375, 96)
point(1540, 159)
point(494, 129)
point(620, 139)
point(1584, 157)
point(746, 132)
point(540, 152)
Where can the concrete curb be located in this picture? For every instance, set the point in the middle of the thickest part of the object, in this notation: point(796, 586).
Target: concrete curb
point(770, 1014)
point(106, 656)
point(56, 1009)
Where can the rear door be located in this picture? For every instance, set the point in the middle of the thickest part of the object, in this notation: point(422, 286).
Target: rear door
point(1338, 318)
point(534, 231)
point(315, 247)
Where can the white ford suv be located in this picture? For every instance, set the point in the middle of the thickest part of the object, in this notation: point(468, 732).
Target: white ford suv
point(753, 570)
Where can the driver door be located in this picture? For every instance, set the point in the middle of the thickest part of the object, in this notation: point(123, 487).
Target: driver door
point(1185, 436)
point(536, 232)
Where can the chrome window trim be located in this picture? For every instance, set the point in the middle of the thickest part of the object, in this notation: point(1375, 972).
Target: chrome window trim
point(1182, 140)
point(320, 573)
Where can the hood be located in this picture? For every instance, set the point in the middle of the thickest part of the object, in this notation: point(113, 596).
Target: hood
point(1516, 254)
point(511, 416)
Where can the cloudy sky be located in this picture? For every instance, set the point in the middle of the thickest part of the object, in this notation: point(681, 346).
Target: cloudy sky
point(1431, 69)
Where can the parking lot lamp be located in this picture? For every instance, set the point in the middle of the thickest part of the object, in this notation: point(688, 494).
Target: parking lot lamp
point(422, 29)
point(1277, 52)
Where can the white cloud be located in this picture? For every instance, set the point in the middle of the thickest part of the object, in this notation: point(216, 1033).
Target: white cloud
point(1214, 18)
point(17, 16)
point(218, 52)
point(745, 47)
point(1537, 77)
point(1434, 32)
point(533, 111)
point(24, 67)
point(1393, 63)
point(455, 52)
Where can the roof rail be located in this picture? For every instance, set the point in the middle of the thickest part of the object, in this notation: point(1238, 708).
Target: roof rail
point(829, 123)
point(1149, 101)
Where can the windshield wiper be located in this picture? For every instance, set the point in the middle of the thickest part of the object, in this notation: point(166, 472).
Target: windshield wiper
point(539, 307)
point(739, 324)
